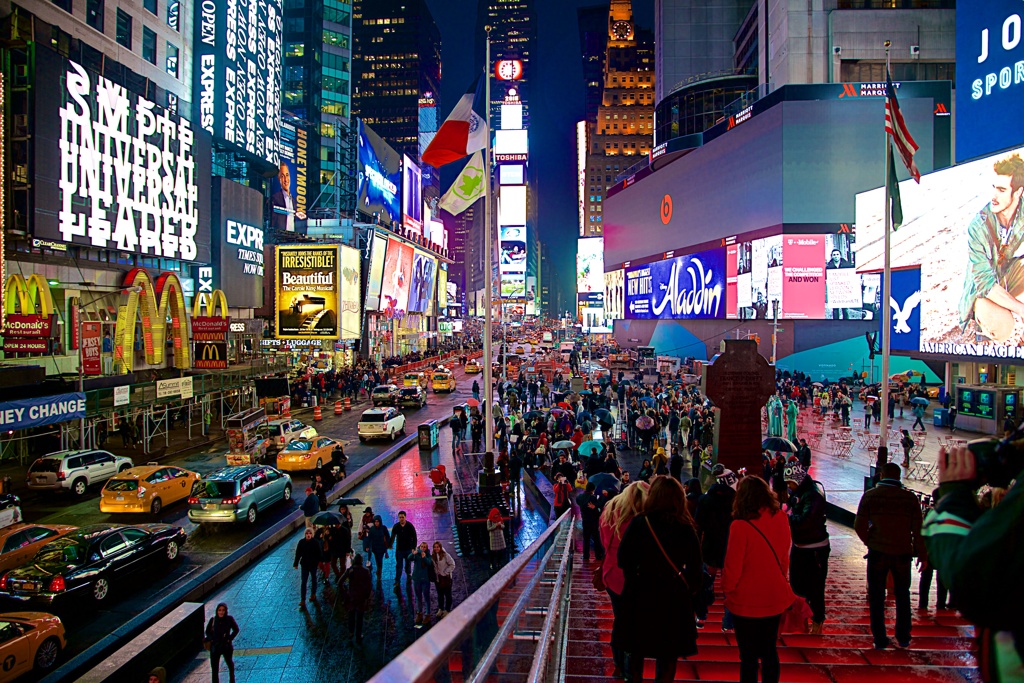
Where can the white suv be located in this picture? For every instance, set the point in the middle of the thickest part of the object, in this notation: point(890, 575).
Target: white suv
point(74, 471)
point(381, 423)
point(283, 432)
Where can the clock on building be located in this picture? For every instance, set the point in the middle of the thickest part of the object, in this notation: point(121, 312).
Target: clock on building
point(622, 30)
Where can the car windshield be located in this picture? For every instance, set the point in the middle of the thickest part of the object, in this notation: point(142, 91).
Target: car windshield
point(410, 392)
point(300, 445)
point(441, 377)
point(382, 390)
point(274, 430)
point(45, 465)
point(122, 485)
point(212, 488)
point(375, 417)
point(64, 550)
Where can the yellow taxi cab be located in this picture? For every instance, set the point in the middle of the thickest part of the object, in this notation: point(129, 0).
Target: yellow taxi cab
point(444, 380)
point(29, 640)
point(520, 349)
point(19, 543)
point(147, 488)
point(412, 379)
point(473, 368)
point(306, 454)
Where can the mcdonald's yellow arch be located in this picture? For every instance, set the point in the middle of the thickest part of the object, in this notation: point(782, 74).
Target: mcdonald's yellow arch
point(212, 301)
point(21, 296)
point(158, 299)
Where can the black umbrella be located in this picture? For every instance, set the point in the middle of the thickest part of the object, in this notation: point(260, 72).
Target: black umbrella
point(604, 417)
point(348, 501)
point(604, 481)
point(778, 444)
point(327, 518)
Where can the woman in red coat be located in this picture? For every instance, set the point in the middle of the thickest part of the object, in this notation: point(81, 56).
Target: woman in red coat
point(755, 577)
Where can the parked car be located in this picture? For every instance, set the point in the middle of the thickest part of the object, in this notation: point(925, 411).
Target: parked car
point(444, 380)
point(473, 368)
point(29, 641)
point(10, 510)
point(412, 397)
point(381, 423)
point(147, 488)
point(282, 432)
point(74, 471)
point(306, 454)
point(384, 395)
point(20, 542)
point(91, 560)
point(233, 494)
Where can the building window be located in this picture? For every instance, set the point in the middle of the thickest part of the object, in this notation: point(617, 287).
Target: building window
point(173, 11)
point(172, 59)
point(150, 6)
point(63, 4)
point(124, 29)
point(294, 49)
point(148, 45)
point(94, 14)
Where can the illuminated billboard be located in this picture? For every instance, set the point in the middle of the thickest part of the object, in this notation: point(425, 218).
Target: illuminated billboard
point(513, 249)
point(376, 272)
point(511, 174)
point(351, 311)
point(511, 142)
point(442, 288)
point(237, 57)
point(412, 196)
point(512, 205)
point(989, 74)
point(398, 270)
point(114, 171)
point(308, 292)
point(421, 293)
point(615, 294)
point(679, 288)
point(589, 265)
point(238, 251)
point(962, 227)
point(288, 189)
point(581, 173)
point(379, 178)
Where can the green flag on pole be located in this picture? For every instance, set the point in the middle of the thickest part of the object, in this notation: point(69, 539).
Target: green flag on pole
point(468, 187)
point(894, 194)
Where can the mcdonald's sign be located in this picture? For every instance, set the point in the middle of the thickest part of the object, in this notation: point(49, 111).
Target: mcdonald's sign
point(154, 303)
point(211, 355)
point(29, 320)
point(210, 327)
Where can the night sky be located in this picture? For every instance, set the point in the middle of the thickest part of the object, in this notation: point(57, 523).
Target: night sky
point(556, 106)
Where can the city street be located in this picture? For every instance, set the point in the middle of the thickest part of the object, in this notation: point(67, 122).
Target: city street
point(205, 546)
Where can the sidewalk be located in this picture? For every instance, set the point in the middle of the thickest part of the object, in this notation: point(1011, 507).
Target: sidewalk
point(278, 642)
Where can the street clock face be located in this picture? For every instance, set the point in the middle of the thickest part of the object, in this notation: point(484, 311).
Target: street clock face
point(508, 69)
point(622, 30)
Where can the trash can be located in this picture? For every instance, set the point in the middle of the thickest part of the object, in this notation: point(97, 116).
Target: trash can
point(939, 418)
point(428, 435)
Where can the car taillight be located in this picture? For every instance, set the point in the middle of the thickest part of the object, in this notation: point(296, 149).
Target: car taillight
point(57, 584)
point(4, 582)
point(61, 476)
point(305, 456)
point(231, 501)
point(193, 501)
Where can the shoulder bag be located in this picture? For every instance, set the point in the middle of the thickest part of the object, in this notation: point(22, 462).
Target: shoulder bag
point(794, 619)
point(668, 559)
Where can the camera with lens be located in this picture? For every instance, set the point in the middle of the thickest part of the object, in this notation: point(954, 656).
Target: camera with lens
point(998, 461)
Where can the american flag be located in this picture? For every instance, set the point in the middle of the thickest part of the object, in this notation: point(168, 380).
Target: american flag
point(896, 127)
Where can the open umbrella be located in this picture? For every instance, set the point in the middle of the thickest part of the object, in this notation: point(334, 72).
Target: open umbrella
point(604, 417)
point(603, 481)
point(919, 401)
point(584, 415)
point(565, 405)
point(644, 422)
point(586, 392)
point(327, 518)
point(533, 414)
point(473, 403)
point(588, 447)
point(561, 445)
point(817, 384)
point(648, 400)
point(778, 444)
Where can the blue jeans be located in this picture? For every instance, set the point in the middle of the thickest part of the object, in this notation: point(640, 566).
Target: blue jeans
point(307, 574)
point(422, 597)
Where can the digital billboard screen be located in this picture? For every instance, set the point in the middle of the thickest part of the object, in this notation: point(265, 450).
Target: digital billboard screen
point(615, 294)
point(115, 171)
point(351, 311)
point(513, 249)
point(237, 73)
point(394, 290)
point(988, 77)
point(512, 205)
point(423, 274)
point(376, 272)
point(962, 227)
point(379, 179)
point(442, 288)
point(238, 251)
point(288, 189)
point(589, 265)
point(412, 196)
point(679, 288)
point(308, 292)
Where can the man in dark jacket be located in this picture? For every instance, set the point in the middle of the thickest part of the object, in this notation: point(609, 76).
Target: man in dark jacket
point(310, 506)
point(808, 559)
point(565, 468)
point(360, 589)
point(675, 466)
point(714, 515)
point(889, 524)
point(308, 554)
point(590, 511)
point(803, 454)
point(403, 538)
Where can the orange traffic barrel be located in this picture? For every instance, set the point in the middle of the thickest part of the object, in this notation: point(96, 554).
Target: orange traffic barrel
point(317, 414)
point(348, 403)
point(337, 407)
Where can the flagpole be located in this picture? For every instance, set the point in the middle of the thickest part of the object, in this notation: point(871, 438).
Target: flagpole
point(487, 477)
point(883, 423)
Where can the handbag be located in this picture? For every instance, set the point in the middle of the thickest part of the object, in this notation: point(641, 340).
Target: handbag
point(667, 558)
point(794, 619)
point(598, 580)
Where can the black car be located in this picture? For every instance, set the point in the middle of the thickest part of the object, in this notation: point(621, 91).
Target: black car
point(412, 397)
point(91, 561)
point(385, 395)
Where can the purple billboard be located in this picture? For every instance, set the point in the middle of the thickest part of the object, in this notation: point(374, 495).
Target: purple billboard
point(680, 288)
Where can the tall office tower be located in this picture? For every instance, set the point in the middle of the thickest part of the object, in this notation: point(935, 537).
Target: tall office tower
point(316, 100)
point(624, 129)
point(694, 39)
point(593, 27)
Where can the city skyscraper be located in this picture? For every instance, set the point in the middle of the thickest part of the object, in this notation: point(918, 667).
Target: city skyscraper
point(593, 27)
point(624, 127)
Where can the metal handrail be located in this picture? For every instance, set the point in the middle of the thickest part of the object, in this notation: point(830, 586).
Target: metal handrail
point(540, 658)
point(419, 662)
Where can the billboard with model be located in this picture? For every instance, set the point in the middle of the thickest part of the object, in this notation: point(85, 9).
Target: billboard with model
point(379, 178)
point(397, 279)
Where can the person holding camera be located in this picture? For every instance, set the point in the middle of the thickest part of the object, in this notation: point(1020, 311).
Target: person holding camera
point(978, 553)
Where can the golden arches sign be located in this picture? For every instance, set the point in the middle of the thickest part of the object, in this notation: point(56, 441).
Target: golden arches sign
point(157, 300)
point(21, 295)
point(211, 301)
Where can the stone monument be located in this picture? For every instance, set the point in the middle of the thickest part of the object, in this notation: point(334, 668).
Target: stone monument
point(739, 382)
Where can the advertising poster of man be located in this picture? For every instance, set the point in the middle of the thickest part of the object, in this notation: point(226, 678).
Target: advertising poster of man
point(964, 227)
point(394, 291)
point(842, 283)
point(307, 292)
point(284, 214)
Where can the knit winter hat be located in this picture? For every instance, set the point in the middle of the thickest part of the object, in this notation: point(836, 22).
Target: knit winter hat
point(794, 472)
